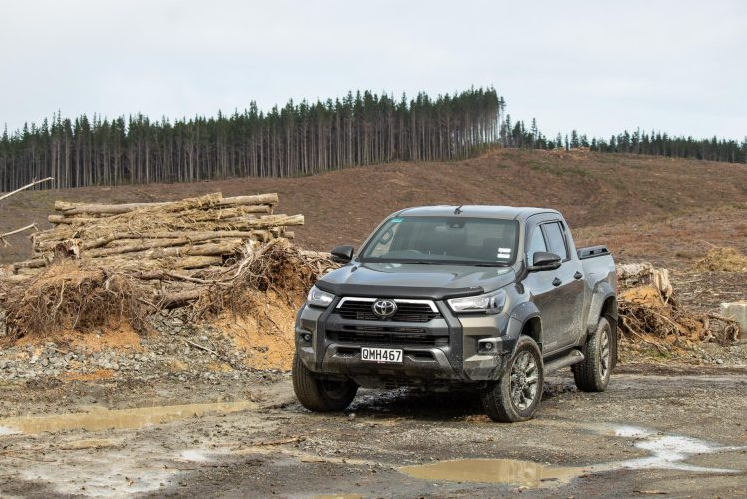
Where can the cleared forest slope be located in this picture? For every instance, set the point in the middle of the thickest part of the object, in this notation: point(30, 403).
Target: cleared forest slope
point(593, 190)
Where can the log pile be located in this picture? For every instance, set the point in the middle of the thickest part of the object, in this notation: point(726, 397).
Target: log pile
point(130, 261)
point(189, 234)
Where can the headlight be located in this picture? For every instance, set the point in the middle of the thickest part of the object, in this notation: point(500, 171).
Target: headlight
point(319, 298)
point(491, 303)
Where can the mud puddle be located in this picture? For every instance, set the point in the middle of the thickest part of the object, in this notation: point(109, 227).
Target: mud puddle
point(666, 451)
point(507, 471)
point(97, 419)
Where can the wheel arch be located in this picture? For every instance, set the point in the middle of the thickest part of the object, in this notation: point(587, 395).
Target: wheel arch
point(526, 320)
point(603, 304)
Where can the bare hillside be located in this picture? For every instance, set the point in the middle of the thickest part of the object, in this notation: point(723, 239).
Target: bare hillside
point(592, 190)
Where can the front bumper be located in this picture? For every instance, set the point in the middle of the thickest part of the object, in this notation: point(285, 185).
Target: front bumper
point(455, 362)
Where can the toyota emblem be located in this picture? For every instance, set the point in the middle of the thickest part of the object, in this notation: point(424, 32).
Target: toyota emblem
point(384, 308)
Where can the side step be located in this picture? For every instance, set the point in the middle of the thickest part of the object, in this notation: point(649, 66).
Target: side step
point(573, 357)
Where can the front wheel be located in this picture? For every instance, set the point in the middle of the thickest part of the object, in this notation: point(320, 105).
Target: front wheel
point(593, 374)
point(516, 395)
point(320, 395)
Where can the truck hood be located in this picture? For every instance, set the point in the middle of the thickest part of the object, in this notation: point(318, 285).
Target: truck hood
point(401, 280)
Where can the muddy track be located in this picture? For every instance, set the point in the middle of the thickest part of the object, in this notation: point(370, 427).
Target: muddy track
point(653, 431)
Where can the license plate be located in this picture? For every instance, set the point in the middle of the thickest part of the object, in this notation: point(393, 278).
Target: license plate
point(381, 355)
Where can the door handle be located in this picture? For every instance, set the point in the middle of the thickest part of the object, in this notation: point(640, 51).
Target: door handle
point(556, 282)
point(578, 275)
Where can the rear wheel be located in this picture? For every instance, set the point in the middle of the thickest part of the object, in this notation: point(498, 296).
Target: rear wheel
point(593, 374)
point(320, 395)
point(516, 395)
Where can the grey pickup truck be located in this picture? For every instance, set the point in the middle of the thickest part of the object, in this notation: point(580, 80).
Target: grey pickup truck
point(487, 298)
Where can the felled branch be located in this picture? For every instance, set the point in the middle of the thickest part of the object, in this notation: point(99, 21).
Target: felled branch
point(29, 186)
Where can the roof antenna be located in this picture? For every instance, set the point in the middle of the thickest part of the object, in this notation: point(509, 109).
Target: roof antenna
point(458, 209)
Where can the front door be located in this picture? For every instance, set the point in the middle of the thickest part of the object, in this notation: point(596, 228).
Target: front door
point(555, 292)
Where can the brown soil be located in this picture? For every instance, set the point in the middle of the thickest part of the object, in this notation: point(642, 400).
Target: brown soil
point(645, 295)
point(266, 335)
point(117, 336)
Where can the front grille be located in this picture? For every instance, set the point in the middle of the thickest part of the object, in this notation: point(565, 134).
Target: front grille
point(406, 312)
point(384, 329)
point(387, 338)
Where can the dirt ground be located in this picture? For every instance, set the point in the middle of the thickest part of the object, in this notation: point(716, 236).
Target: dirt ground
point(679, 432)
point(208, 410)
point(162, 419)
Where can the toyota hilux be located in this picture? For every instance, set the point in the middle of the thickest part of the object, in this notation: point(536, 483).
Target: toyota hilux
point(484, 298)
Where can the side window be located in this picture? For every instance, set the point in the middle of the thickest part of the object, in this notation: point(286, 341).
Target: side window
point(556, 240)
point(536, 243)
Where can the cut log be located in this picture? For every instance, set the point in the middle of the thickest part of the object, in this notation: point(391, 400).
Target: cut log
point(210, 200)
point(43, 241)
point(271, 199)
point(267, 222)
point(226, 214)
point(189, 237)
point(223, 248)
point(187, 262)
point(35, 263)
point(178, 299)
point(114, 209)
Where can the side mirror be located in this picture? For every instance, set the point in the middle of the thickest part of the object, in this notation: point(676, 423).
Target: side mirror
point(342, 254)
point(544, 261)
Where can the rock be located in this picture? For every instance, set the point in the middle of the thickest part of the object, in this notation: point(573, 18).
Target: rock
point(737, 310)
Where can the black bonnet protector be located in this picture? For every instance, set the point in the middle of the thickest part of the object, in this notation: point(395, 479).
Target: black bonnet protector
point(366, 290)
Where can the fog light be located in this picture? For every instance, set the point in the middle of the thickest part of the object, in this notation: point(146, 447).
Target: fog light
point(306, 337)
point(487, 346)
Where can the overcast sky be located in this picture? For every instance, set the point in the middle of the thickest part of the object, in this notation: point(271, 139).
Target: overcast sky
point(597, 66)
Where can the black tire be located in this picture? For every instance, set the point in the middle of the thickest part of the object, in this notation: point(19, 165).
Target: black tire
point(320, 395)
point(497, 399)
point(593, 374)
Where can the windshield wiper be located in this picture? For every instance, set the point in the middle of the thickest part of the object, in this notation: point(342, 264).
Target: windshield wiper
point(490, 264)
point(425, 262)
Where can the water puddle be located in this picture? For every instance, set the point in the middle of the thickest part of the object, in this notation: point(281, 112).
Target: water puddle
point(104, 419)
point(507, 471)
point(666, 451)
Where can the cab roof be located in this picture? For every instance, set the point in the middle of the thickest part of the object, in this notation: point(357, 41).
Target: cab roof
point(477, 211)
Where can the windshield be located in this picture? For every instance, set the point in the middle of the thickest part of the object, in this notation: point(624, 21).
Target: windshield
point(458, 240)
